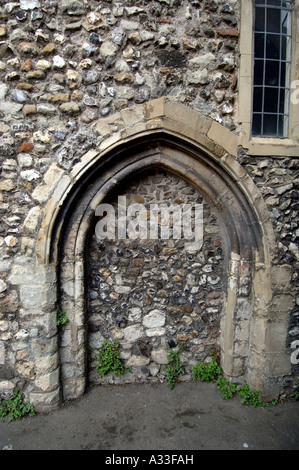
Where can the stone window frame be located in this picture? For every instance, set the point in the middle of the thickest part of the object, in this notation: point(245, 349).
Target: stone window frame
point(264, 146)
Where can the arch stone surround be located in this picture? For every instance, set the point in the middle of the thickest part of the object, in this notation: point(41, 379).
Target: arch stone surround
point(167, 135)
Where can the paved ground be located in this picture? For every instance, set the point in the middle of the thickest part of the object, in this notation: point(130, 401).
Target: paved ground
point(192, 416)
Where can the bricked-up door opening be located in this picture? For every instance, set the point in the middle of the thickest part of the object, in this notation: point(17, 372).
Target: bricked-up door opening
point(254, 301)
point(152, 295)
point(96, 298)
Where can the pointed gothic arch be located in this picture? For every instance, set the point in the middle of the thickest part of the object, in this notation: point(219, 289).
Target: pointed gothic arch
point(167, 135)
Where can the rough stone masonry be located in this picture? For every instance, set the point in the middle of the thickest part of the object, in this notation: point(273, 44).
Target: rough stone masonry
point(70, 72)
point(182, 290)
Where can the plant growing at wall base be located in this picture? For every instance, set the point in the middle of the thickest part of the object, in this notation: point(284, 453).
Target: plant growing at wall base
point(15, 407)
point(109, 360)
point(62, 319)
point(207, 372)
point(252, 397)
point(226, 388)
point(173, 368)
point(210, 371)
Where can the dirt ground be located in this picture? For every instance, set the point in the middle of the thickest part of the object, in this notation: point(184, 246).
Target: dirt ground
point(191, 417)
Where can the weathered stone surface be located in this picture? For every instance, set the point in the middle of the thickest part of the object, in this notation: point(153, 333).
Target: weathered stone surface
point(159, 356)
point(29, 4)
point(59, 98)
point(91, 77)
point(159, 301)
point(28, 48)
point(20, 96)
point(108, 49)
point(49, 49)
point(89, 115)
point(70, 108)
point(3, 90)
point(35, 75)
point(132, 333)
point(3, 286)
point(138, 361)
point(46, 109)
point(29, 109)
point(26, 147)
point(3, 30)
point(30, 175)
point(58, 62)
point(31, 221)
point(43, 65)
point(154, 319)
point(7, 185)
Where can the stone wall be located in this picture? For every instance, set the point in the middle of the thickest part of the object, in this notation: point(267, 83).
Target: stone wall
point(277, 179)
point(153, 295)
point(70, 74)
point(68, 63)
point(64, 65)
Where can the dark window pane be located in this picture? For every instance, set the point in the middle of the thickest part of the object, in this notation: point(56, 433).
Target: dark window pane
point(258, 72)
point(271, 100)
point(259, 41)
point(282, 101)
point(283, 48)
point(258, 99)
point(282, 74)
point(272, 73)
point(275, 3)
point(260, 2)
point(260, 19)
point(270, 124)
point(272, 46)
point(257, 124)
point(273, 20)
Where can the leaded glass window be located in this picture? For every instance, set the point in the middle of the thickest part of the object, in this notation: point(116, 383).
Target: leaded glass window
point(272, 68)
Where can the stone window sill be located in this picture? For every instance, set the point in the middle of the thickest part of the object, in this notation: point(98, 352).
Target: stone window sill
point(267, 146)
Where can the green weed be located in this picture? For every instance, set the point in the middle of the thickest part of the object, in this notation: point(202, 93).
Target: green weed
point(15, 407)
point(207, 371)
point(211, 371)
point(109, 360)
point(62, 319)
point(173, 368)
point(226, 388)
point(252, 397)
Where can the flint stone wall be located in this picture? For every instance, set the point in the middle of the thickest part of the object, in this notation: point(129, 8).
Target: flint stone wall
point(154, 295)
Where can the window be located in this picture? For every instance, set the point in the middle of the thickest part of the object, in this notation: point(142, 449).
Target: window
point(272, 68)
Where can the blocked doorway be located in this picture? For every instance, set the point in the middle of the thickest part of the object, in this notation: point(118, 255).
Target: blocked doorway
point(99, 306)
point(171, 138)
point(155, 294)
